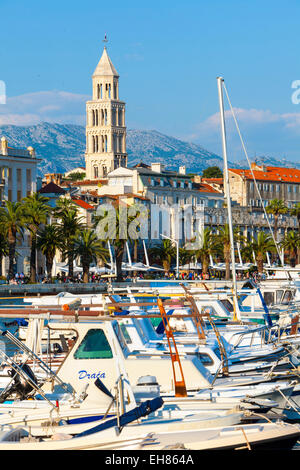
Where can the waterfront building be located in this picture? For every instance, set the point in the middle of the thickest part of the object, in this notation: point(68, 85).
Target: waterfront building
point(18, 179)
point(272, 182)
point(18, 171)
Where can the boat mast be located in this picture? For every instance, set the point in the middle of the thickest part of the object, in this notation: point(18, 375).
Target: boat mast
point(220, 81)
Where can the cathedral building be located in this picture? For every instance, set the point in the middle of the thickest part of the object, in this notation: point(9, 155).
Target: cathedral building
point(105, 123)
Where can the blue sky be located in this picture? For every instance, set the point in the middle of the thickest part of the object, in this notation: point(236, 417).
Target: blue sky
point(168, 55)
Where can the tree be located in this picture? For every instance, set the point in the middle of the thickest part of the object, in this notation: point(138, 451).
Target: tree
point(48, 241)
point(263, 244)
point(114, 225)
point(69, 226)
point(35, 213)
point(4, 247)
point(223, 243)
point(291, 243)
point(89, 249)
point(12, 221)
point(212, 172)
point(276, 207)
point(76, 176)
point(63, 206)
point(185, 256)
point(295, 211)
point(207, 249)
point(164, 252)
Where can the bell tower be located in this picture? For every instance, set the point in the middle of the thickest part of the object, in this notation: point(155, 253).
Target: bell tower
point(105, 122)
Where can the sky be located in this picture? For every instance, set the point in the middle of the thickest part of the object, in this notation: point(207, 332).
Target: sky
point(168, 55)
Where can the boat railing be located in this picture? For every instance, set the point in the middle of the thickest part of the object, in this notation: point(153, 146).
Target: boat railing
point(262, 330)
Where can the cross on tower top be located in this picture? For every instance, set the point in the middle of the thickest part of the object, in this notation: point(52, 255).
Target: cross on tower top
point(105, 40)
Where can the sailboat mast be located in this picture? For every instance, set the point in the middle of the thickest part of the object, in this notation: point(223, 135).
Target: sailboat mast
point(220, 81)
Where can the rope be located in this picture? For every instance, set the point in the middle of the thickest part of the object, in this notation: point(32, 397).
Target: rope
point(247, 442)
point(287, 400)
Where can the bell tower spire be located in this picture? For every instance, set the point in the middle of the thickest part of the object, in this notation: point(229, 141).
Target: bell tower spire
point(105, 122)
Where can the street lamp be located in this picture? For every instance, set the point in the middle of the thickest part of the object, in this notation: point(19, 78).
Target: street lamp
point(177, 253)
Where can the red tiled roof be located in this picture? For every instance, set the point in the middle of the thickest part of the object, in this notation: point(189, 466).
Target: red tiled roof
point(270, 173)
point(90, 182)
point(82, 204)
point(137, 196)
point(205, 188)
point(213, 180)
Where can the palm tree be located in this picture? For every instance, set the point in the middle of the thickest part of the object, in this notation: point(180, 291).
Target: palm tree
point(295, 211)
point(63, 206)
point(163, 252)
point(69, 226)
point(185, 256)
point(113, 225)
point(291, 244)
point(4, 247)
point(263, 244)
point(35, 213)
point(207, 249)
point(247, 251)
point(12, 221)
point(276, 207)
point(89, 249)
point(48, 241)
point(223, 243)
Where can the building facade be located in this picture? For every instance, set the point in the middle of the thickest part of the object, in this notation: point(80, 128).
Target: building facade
point(272, 183)
point(18, 179)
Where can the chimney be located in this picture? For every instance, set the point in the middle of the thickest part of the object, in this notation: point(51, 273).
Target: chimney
point(3, 146)
point(182, 170)
point(157, 167)
point(31, 151)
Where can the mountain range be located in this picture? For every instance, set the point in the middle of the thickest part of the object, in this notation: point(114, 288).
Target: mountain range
point(61, 148)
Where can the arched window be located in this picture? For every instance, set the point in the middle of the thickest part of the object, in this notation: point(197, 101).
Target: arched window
point(104, 170)
point(105, 143)
point(96, 174)
point(109, 90)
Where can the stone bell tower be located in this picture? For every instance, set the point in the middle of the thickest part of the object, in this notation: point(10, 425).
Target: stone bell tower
point(105, 123)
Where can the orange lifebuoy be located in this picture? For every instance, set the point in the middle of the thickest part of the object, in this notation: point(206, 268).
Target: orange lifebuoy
point(65, 307)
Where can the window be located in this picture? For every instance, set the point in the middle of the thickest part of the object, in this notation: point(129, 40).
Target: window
point(94, 346)
point(205, 359)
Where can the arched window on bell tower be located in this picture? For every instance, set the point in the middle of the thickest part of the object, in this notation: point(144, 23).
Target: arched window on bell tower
point(96, 173)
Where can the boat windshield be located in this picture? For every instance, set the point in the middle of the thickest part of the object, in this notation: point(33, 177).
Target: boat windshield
point(94, 346)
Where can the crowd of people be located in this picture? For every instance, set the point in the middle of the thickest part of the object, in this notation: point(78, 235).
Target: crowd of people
point(61, 277)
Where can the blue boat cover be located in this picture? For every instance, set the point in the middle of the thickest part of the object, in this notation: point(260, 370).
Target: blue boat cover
point(144, 409)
